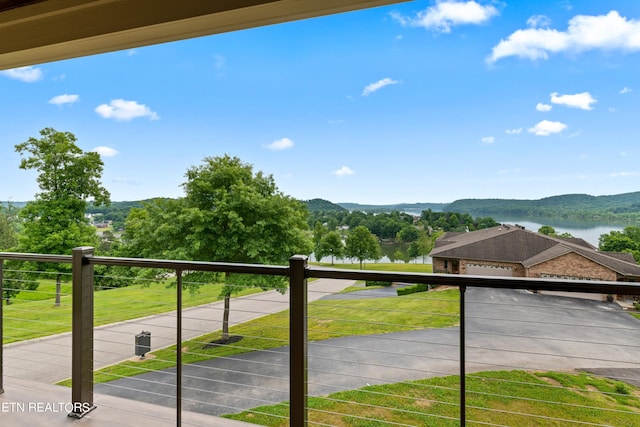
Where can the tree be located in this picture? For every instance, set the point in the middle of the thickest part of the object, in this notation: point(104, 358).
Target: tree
point(550, 231)
point(330, 245)
point(228, 214)
point(423, 245)
point(627, 240)
point(362, 245)
point(8, 227)
point(547, 230)
point(319, 231)
point(408, 233)
point(54, 222)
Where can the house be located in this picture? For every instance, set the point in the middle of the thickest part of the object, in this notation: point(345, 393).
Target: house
point(511, 250)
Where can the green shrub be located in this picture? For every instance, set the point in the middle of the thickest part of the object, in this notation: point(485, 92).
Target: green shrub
point(420, 287)
point(376, 283)
point(622, 389)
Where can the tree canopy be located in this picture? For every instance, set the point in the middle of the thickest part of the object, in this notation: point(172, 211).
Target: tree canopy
point(361, 244)
point(330, 245)
point(54, 222)
point(8, 227)
point(228, 214)
point(627, 240)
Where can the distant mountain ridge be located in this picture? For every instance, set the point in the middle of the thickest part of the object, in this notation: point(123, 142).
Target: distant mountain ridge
point(624, 207)
point(584, 207)
point(402, 207)
point(563, 205)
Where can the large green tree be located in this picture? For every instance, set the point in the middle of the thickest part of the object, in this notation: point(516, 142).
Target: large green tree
point(8, 227)
point(8, 240)
point(361, 244)
point(330, 245)
point(627, 240)
point(68, 177)
point(228, 214)
point(423, 245)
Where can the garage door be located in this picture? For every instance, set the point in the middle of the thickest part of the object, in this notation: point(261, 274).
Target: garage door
point(488, 270)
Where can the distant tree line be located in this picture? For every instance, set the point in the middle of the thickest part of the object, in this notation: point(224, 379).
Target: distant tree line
point(334, 231)
point(621, 208)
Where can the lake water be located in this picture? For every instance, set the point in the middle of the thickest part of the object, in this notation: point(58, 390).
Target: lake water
point(590, 232)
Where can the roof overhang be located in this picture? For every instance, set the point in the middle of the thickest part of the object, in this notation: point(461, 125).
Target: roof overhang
point(38, 31)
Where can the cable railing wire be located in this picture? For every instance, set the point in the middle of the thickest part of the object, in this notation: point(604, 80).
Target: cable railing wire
point(372, 324)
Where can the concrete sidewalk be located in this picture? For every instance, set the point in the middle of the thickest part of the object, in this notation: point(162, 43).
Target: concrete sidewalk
point(48, 360)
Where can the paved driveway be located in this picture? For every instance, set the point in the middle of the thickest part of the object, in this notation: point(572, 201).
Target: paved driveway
point(48, 359)
point(505, 330)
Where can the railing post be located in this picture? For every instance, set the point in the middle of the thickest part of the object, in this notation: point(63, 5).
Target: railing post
point(463, 370)
point(179, 348)
point(298, 414)
point(82, 333)
point(1, 325)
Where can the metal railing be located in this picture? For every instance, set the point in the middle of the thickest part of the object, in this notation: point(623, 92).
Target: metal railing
point(298, 271)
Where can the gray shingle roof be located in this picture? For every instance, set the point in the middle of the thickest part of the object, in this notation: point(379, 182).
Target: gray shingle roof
point(507, 243)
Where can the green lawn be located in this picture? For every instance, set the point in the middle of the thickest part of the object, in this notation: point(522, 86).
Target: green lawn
point(32, 314)
point(390, 266)
point(327, 319)
point(46, 291)
point(506, 398)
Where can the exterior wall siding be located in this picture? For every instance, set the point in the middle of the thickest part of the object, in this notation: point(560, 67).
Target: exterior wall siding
point(575, 266)
point(516, 269)
point(570, 265)
point(439, 266)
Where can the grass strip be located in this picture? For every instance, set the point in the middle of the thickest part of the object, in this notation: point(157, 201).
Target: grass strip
point(514, 398)
point(34, 317)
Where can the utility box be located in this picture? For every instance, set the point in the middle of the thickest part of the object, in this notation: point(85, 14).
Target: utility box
point(143, 343)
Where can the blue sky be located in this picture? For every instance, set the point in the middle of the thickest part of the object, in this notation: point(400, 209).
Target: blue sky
point(426, 101)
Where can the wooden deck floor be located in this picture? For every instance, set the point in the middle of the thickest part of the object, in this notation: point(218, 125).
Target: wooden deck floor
point(31, 404)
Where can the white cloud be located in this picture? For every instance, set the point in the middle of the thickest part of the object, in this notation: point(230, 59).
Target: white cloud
point(280, 144)
point(546, 128)
point(448, 13)
point(64, 99)
point(537, 21)
point(378, 85)
point(513, 131)
point(132, 52)
point(606, 32)
point(106, 151)
point(488, 139)
point(579, 100)
point(120, 109)
point(25, 74)
point(623, 174)
point(625, 90)
point(343, 171)
point(612, 109)
point(543, 107)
